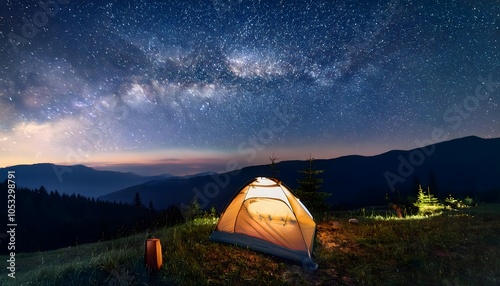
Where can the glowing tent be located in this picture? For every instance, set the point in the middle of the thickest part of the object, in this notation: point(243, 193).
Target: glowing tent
point(265, 216)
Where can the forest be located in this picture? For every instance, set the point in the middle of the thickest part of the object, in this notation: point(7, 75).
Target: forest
point(49, 220)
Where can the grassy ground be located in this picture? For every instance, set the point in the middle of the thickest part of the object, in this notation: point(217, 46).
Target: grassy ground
point(455, 248)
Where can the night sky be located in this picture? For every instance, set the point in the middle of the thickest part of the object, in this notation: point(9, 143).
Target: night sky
point(186, 86)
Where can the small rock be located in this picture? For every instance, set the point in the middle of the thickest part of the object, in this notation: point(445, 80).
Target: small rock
point(331, 245)
point(335, 225)
point(353, 221)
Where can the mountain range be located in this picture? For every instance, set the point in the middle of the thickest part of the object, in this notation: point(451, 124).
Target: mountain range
point(75, 179)
point(460, 167)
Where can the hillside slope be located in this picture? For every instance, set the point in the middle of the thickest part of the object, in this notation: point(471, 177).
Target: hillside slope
point(75, 179)
point(461, 166)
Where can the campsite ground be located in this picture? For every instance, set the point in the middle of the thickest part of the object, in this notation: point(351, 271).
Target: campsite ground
point(457, 247)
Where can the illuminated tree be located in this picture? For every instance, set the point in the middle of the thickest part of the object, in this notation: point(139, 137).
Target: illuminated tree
point(427, 203)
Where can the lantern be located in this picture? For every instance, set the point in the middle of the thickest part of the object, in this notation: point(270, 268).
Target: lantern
point(153, 257)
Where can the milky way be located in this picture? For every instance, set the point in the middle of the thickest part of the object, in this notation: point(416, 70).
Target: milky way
point(79, 79)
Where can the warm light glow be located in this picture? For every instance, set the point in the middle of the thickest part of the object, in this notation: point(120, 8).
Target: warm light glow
point(153, 255)
point(409, 217)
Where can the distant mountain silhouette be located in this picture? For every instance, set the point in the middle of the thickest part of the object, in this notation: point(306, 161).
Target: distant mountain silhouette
point(194, 175)
point(76, 179)
point(468, 165)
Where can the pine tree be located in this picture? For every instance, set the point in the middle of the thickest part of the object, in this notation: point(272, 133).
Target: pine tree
point(137, 201)
point(433, 184)
point(427, 203)
point(309, 186)
point(193, 210)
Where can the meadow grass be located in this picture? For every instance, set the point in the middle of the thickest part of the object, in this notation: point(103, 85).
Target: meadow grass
point(455, 248)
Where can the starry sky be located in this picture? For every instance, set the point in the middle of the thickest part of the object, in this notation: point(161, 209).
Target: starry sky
point(183, 87)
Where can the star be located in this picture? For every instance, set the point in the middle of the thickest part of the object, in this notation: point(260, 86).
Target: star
point(148, 77)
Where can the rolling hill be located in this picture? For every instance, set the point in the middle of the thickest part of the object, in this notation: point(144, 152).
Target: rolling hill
point(75, 179)
point(465, 166)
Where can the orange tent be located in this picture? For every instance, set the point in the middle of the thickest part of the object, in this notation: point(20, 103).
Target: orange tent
point(265, 216)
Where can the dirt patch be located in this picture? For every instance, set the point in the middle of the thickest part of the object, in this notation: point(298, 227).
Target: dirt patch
point(335, 235)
